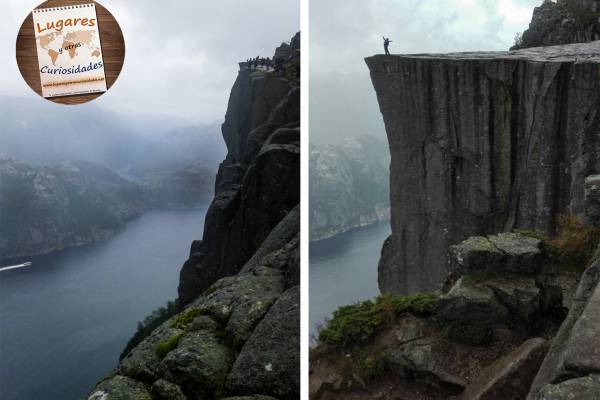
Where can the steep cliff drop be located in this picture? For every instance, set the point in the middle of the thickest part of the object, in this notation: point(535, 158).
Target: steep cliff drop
point(259, 181)
point(482, 143)
point(239, 333)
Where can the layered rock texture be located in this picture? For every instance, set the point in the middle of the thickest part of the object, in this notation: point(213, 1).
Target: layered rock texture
point(259, 181)
point(237, 335)
point(482, 143)
point(562, 22)
point(497, 330)
point(44, 209)
point(349, 186)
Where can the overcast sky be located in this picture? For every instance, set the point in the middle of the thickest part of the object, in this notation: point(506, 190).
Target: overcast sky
point(181, 56)
point(343, 32)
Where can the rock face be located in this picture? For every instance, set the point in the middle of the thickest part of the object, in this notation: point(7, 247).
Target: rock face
point(259, 181)
point(510, 376)
point(241, 337)
point(44, 209)
point(592, 200)
point(574, 357)
point(349, 186)
point(238, 334)
point(562, 22)
point(482, 143)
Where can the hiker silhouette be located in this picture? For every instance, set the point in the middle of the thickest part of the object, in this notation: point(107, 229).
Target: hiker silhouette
point(386, 45)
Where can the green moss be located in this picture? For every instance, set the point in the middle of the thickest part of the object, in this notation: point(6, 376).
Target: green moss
point(188, 316)
point(149, 324)
point(165, 346)
point(470, 333)
point(534, 234)
point(359, 322)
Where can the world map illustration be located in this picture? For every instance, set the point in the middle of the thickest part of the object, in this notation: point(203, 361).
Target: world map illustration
point(70, 43)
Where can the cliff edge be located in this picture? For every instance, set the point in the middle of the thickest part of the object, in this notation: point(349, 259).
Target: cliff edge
point(482, 143)
point(236, 332)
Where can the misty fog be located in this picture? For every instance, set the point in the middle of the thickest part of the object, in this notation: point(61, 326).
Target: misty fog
point(344, 32)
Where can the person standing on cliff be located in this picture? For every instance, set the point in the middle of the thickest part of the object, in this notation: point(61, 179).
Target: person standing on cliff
point(386, 45)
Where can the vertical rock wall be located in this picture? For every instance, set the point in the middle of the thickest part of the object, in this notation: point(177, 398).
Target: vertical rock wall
point(259, 181)
point(481, 143)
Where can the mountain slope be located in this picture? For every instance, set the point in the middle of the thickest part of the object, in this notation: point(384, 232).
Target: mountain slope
point(349, 186)
point(44, 209)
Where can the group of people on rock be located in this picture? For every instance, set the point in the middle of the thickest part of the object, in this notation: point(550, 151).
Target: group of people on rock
point(277, 64)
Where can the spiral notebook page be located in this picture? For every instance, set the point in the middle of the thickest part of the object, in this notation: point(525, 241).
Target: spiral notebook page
point(69, 50)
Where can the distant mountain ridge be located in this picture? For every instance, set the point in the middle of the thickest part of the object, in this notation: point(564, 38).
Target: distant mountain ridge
point(349, 185)
point(51, 208)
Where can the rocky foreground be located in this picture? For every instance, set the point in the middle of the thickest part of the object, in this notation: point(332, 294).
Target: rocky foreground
point(517, 318)
point(236, 334)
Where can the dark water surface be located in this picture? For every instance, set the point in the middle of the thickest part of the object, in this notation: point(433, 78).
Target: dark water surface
point(343, 270)
point(65, 319)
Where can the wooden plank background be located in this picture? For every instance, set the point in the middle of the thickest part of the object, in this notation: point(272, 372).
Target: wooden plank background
point(111, 39)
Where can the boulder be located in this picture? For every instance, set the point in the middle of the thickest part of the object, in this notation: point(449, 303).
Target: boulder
point(557, 366)
point(476, 253)
point(585, 388)
point(426, 359)
point(505, 252)
point(199, 363)
point(510, 376)
point(469, 302)
point(522, 253)
point(142, 363)
point(269, 362)
point(519, 294)
point(120, 388)
point(165, 390)
point(582, 350)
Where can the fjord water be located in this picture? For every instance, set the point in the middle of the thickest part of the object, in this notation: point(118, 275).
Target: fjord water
point(343, 270)
point(66, 318)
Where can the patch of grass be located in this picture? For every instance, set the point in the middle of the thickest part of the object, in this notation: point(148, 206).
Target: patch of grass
point(470, 333)
point(422, 304)
point(357, 323)
point(575, 243)
point(188, 316)
point(572, 248)
point(352, 324)
point(165, 346)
